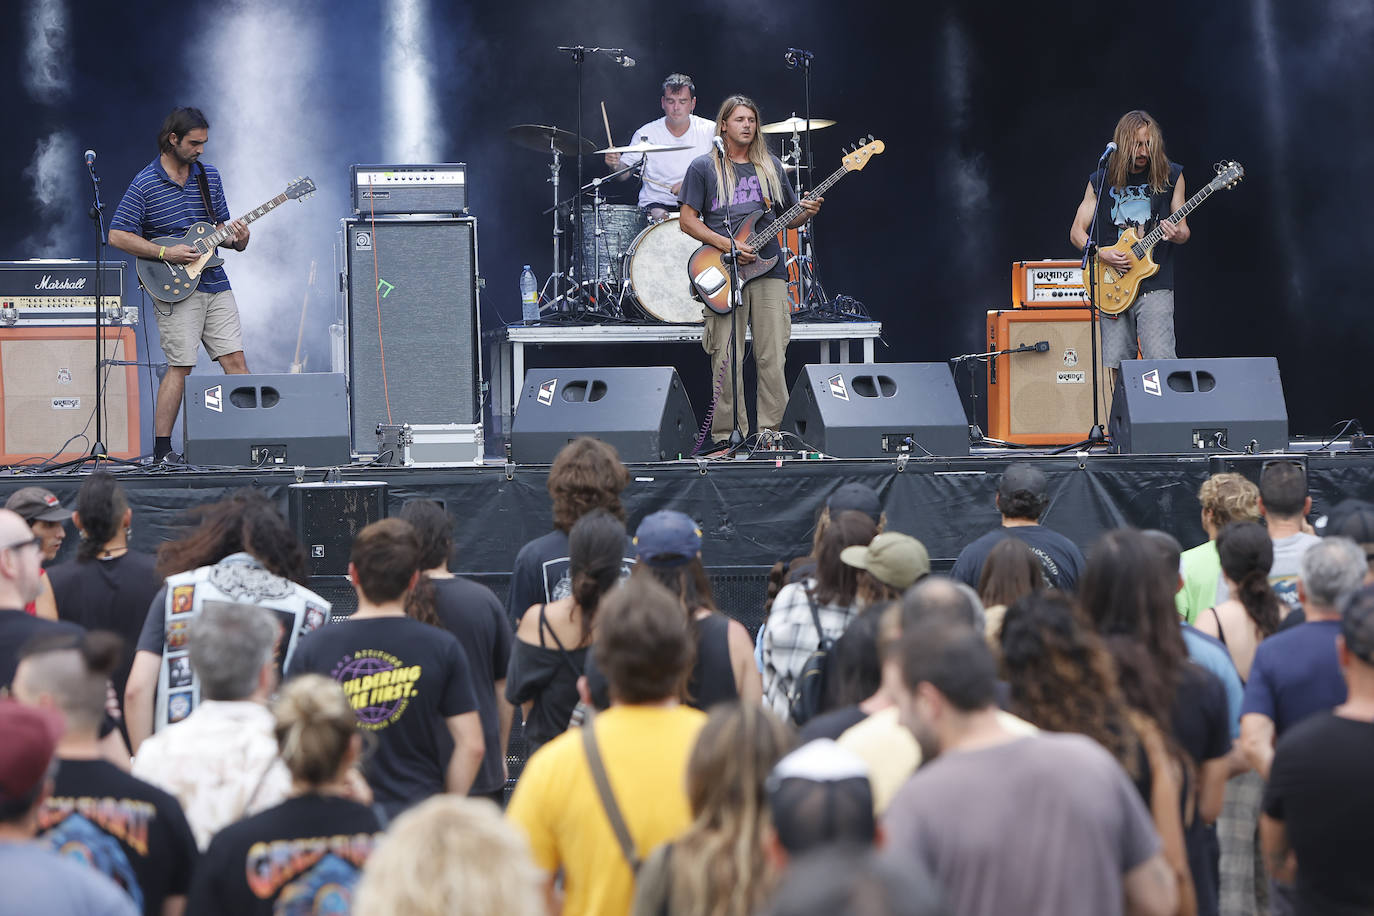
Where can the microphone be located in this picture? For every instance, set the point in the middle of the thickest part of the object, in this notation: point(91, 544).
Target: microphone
point(795, 56)
point(720, 144)
point(1042, 346)
point(626, 61)
point(1111, 148)
point(90, 157)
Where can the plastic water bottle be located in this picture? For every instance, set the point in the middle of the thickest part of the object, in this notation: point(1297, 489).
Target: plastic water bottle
point(529, 295)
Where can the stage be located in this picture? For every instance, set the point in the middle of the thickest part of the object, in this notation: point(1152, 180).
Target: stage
point(755, 512)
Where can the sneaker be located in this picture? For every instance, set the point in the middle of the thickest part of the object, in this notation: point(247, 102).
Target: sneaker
point(172, 458)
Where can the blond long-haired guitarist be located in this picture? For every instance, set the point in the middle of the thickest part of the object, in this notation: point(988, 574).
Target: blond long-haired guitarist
point(1140, 188)
point(750, 178)
point(164, 199)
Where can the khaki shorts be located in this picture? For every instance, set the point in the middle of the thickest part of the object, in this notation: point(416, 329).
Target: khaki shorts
point(208, 318)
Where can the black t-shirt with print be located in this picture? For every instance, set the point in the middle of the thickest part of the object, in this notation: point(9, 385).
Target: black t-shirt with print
point(1060, 559)
point(699, 193)
point(473, 614)
point(303, 856)
point(404, 679)
point(1135, 205)
point(131, 832)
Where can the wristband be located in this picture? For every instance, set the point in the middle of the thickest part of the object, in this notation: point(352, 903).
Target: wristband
point(160, 252)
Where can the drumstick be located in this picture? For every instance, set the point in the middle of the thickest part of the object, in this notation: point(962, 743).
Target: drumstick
point(605, 120)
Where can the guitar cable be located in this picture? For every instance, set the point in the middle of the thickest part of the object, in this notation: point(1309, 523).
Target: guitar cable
point(377, 289)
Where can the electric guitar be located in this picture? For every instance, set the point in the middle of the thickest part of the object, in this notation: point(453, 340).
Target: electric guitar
point(706, 268)
point(169, 282)
point(1116, 289)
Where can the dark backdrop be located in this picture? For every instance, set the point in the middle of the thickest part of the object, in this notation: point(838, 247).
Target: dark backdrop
point(993, 117)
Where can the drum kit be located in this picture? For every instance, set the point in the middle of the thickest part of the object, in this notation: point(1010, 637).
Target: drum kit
point(628, 259)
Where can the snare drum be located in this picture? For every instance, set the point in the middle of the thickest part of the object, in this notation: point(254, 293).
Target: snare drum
point(657, 273)
point(620, 223)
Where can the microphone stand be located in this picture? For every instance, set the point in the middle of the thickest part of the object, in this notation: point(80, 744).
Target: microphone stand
point(97, 213)
point(1097, 435)
point(737, 300)
point(975, 432)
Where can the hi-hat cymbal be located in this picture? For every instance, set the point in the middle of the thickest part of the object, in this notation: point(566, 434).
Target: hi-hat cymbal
point(795, 124)
point(643, 146)
point(544, 138)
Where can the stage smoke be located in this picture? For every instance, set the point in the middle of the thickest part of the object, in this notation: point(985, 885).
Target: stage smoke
point(414, 131)
point(54, 173)
point(47, 54)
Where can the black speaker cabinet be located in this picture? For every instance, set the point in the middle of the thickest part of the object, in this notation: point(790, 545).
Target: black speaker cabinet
point(643, 411)
point(266, 420)
point(1192, 405)
point(413, 325)
point(328, 516)
point(870, 410)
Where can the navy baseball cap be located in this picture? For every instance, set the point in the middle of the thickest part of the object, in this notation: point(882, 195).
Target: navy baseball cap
point(667, 538)
point(855, 497)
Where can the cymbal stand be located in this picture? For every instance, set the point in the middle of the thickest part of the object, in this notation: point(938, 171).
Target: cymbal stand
point(810, 294)
point(557, 277)
point(601, 289)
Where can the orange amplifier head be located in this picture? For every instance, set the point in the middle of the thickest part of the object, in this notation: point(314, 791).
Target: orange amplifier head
point(1047, 284)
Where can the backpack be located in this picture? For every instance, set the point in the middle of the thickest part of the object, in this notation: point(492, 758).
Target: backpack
point(809, 690)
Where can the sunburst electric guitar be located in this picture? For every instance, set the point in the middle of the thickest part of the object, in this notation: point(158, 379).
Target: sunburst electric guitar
point(709, 275)
point(174, 282)
point(1116, 290)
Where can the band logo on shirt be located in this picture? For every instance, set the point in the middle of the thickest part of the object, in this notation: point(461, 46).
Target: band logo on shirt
point(125, 819)
point(271, 866)
point(379, 686)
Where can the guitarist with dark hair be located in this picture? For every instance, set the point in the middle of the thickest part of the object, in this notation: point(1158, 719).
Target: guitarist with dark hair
point(751, 179)
point(171, 194)
point(1141, 188)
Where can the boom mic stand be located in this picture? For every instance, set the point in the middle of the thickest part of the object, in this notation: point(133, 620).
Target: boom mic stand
point(737, 301)
point(98, 218)
point(975, 432)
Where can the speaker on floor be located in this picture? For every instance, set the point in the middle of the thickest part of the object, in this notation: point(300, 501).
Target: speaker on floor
point(872, 410)
point(1043, 397)
point(642, 410)
point(47, 393)
point(328, 516)
point(266, 420)
point(413, 325)
point(1191, 405)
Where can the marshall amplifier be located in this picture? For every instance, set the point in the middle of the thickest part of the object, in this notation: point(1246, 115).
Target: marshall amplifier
point(266, 420)
point(388, 189)
point(61, 292)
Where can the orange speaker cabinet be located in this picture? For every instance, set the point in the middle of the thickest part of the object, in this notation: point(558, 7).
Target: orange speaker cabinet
point(47, 393)
point(1043, 398)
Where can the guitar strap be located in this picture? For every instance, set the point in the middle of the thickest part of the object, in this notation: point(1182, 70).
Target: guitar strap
point(205, 193)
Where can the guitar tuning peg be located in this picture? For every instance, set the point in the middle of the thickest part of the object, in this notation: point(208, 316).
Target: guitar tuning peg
point(870, 138)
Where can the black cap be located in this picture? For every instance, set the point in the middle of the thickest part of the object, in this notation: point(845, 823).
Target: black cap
point(855, 497)
point(1023, 478)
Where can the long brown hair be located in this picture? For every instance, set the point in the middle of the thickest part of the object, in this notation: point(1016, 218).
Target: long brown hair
point(1246, 552)
point(586, 475)
point(759, 156)
point(1119, 165)
point(836, 581)
point(718, 865)
point(247, 522)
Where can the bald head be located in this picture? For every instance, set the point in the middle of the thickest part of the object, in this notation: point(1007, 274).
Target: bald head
point(937, 598)
point(21, 561)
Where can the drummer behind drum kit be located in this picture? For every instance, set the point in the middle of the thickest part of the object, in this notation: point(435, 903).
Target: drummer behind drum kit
point(626, 258)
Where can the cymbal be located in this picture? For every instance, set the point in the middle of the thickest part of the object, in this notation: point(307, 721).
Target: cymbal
point(795, 124)
point(642, 146)
point(542, 139)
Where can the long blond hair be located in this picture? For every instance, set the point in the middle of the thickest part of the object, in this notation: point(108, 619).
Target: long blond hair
point(1119, 166)
point(759, 156)
point(718, 865)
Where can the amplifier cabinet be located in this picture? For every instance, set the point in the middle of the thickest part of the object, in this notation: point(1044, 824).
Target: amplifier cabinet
point(47, 393)
point(1043, 398)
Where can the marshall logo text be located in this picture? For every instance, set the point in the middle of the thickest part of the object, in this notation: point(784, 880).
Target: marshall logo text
point(65, 283)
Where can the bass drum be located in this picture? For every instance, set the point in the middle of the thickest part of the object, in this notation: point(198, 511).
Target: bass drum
point(656, 267)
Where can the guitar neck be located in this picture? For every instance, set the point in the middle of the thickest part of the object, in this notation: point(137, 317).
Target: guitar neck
point(771, 231)
point(1152, 238)
point(220, 235)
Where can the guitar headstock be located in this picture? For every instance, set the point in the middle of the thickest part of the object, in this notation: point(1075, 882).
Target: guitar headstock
point(1229, 174)
point(859, 155)
point(300, 189)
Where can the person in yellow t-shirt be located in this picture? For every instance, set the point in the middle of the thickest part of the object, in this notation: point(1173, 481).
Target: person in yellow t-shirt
point(645, 648)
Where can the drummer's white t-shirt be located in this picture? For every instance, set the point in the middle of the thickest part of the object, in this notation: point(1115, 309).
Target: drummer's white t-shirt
point(668, 168)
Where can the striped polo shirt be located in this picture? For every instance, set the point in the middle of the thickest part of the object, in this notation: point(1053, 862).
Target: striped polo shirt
point(156, 206)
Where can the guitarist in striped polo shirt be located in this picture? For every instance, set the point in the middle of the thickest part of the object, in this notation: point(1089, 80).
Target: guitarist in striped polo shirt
point(170, 194)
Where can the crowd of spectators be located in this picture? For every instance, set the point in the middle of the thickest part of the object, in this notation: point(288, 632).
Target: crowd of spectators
point(1122, 726)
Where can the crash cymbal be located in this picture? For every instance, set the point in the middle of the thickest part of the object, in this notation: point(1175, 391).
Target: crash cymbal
point(542, 138)
point(795, 124)
point(642, 146)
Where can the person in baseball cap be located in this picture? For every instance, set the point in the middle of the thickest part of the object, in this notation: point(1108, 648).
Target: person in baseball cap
point(45, 515)
point(894, 559)
point(31, 736)
point(667, 539)
point(818, 795)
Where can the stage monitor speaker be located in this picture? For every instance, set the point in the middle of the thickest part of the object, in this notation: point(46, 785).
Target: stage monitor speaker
point(413, 325)
point(47, 393)
point(872, 410)
point(643, 411)
point(328, 516)
point(1043, 397)
point(266, 420)
point(1191, 405)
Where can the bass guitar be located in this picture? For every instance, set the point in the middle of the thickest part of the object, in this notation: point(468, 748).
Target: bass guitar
point(706, 268)
point(1117, 289)
point(169, 282)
